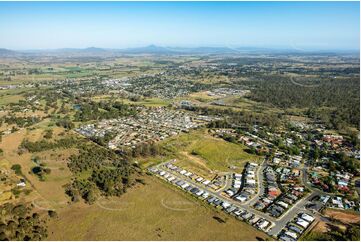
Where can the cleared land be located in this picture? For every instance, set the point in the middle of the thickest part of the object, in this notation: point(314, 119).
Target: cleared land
point(343, 216)
point(204, 154)
point(151, 212)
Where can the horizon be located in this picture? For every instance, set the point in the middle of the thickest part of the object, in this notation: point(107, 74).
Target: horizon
point(303, 26)
point(183, 48)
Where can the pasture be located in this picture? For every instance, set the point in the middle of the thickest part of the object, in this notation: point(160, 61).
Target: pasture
point(154, 211)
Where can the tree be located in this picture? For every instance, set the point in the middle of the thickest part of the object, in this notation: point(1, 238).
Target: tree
point(48, 134)
point(3, 236)
point(17, 169)
point(52, 213)
point(90, 197)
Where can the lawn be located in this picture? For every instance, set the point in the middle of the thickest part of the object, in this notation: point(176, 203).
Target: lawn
point(152, 212)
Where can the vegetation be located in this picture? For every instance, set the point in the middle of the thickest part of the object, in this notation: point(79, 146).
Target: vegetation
point(43, 145)
point(41, 171)
point(352, 233)
point(110, 174)
point(240, 118)
point(17, 169)
point(17, 222)
point(21, 121)
point(102, 110)
point(65, 123)
point(334, 101)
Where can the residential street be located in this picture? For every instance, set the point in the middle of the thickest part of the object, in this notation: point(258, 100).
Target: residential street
point(278, 223)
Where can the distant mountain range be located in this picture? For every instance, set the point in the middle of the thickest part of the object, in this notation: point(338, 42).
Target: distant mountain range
point(6, 52)
point(153, 49)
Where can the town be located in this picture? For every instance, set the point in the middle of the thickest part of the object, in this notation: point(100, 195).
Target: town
point(149, 125)
point(277, 196)
point(240, 140)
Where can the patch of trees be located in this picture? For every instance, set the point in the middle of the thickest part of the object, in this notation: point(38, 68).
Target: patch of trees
point(347, 163)
point(103, 140)
point(144, 149)
point(17, 169)
point(82, 189)
point(91, 157)
point(110, 174)
point(65, 122)
point(236, 119)
point(43, 145)
point(103, 110)
point(21, 121)
point(288, 149)
point(18, 222)
point(48, 134)
point(334, 101)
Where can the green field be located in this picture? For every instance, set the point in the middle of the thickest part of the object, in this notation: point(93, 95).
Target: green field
point(219, 154)
point(4, 100)
point(198, 151)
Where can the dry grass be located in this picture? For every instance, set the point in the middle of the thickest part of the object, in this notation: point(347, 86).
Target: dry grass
point(343, 216)
point(56, 160)
point(144, 213)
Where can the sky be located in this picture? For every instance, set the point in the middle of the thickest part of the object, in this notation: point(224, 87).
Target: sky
point(298, 25)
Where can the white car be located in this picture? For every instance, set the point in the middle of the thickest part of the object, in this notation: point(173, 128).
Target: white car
point(205, 195)
point(200, 193)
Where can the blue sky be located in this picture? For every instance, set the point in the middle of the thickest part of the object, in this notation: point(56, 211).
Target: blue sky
point(299, 25)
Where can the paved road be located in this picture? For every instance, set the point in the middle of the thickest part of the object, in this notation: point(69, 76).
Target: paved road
point(290, 214)
point(260, 183)
point(215, 193)
point(227, 183)
point(305, 171)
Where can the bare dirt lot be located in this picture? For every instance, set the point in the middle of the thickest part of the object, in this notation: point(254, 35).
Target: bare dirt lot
point(343, 216)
